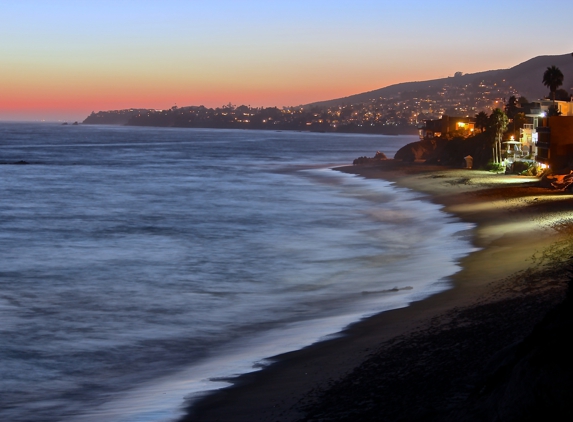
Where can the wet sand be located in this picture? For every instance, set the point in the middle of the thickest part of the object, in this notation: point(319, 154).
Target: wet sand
point(422, 361)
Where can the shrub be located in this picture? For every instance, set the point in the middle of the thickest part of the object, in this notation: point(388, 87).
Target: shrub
point(520, 167)
point(495, 167)
point(525, 168)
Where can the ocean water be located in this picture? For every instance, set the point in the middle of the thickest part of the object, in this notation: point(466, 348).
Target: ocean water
point(142, 266)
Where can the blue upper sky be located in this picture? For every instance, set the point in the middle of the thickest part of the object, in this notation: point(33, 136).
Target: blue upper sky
point(63, 58)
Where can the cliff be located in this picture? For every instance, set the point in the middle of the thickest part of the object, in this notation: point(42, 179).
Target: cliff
point(448, 152)
point(420, 150)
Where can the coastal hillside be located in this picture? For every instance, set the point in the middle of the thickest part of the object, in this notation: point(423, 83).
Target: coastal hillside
point(396, 109)
point(525, 78)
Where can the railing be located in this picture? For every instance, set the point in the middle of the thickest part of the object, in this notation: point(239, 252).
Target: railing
point(528, 126)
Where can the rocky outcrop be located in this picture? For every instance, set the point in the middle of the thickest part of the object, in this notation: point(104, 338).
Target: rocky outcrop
point(420, 150)
point(448, 152)
point(379, 156)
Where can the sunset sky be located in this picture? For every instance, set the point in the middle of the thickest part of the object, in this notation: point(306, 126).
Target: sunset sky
point(62, 59)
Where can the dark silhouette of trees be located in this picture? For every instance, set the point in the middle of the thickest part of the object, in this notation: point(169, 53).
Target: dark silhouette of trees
point(498, 124)
point(553, 79)
point(517, 123)
point(482, 121)
point(553, 110)
point(562, 95)
point(512, 107)
point(522, 101)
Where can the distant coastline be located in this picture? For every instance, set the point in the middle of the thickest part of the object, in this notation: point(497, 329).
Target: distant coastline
point(244, 117)
point(394, 110)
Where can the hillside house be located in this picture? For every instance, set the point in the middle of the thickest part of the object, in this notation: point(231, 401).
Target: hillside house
point(446, 126)
point(542, 106)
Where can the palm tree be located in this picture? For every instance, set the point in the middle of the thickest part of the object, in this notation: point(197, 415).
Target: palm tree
point(553, 79)
point(482, 121)
point(498, 123)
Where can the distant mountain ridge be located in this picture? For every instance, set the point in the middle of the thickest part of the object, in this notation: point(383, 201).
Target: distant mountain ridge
point(525, 77)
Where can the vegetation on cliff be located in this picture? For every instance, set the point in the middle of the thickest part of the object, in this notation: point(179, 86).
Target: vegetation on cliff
point(484, 145)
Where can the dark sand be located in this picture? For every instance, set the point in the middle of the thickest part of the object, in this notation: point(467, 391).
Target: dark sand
point(422, 362)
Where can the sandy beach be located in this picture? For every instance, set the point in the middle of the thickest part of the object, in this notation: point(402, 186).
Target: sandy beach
point(423, 362)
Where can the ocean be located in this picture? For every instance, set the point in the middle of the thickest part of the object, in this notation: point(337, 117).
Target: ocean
point(141, 267)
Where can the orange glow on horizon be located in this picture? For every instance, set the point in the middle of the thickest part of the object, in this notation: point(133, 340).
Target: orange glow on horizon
point(81, 99)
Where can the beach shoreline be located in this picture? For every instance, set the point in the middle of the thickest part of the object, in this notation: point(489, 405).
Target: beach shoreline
point(523, 238)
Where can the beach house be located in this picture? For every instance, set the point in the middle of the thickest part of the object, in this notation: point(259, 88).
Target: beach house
point(555, 141)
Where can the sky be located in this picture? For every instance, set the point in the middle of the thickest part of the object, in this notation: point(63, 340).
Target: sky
point(61, 60)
